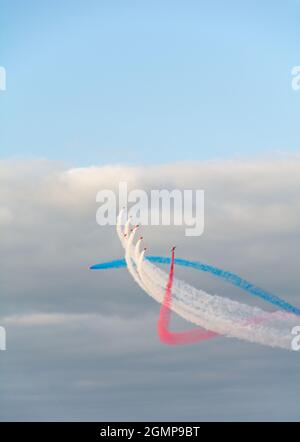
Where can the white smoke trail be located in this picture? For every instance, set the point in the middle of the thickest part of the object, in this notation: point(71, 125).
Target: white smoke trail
point(126, 237)
point(212, 312)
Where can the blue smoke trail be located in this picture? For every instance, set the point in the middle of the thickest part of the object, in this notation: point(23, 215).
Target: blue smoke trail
point(219, 273)
point(116, 264)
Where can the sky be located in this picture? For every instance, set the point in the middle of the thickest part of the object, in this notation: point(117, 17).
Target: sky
point(101, 82)
point(159, 94)
point(82, 344)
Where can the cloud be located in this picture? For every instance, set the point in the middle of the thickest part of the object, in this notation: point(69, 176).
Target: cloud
point(92, 335)
point(6, 216)
point(51, 239)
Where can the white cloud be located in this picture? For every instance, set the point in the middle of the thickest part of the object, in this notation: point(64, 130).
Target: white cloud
point(50, 236)
point(6, 216)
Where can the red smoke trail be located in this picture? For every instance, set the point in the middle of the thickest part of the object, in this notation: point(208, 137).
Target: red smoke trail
point(189, 336)
point(165, 335)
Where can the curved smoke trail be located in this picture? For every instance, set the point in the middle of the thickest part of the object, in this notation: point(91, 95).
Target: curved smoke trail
point(212, 312)
point(225, 275)
point(177, 338)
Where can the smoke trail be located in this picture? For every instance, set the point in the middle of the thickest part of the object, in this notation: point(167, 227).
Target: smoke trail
point(131, 255)
point(212, 312)
point(115, 264)
point(186, 337)
point(171, 338)
point(233, 279)
point(225, 275)
point(222, 315)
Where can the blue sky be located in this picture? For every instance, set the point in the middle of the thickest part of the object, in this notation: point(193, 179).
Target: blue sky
point(95, 82)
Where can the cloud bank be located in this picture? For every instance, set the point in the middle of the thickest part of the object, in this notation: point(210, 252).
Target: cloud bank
point(91, 335)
